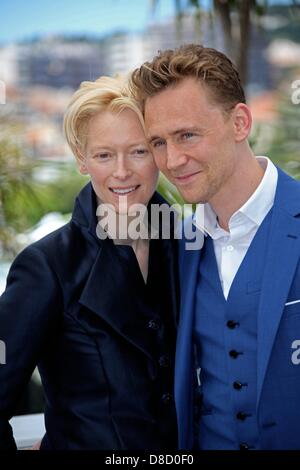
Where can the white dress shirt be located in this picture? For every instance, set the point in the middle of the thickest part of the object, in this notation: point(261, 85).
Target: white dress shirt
point(231, 247)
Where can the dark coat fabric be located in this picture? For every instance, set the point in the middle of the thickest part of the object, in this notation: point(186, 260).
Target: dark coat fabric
point(75, 305)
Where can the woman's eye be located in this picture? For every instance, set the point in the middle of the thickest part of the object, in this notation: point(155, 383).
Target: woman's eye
point(102, 156)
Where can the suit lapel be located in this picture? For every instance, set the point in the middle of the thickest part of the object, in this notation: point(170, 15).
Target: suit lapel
point(184, 379)
point(170, 253)
point(281, 262)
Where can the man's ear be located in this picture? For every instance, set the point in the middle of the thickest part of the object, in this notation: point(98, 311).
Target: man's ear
point(242, 121)
point(81, 162)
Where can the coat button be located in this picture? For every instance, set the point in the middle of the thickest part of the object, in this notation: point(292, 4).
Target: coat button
point(232, 324)
point(164, 361)
point(237, 385)
point(167, 398)
point(244, 446)
point(154, 324)
point(242, 416)
point(234, 354)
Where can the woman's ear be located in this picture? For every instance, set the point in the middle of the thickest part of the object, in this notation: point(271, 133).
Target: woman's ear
point(242, 121)
point(81, 162)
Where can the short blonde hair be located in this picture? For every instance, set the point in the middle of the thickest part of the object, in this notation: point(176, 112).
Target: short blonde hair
point(104, 94)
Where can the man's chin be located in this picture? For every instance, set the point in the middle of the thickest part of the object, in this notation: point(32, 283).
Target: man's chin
point(192, 198)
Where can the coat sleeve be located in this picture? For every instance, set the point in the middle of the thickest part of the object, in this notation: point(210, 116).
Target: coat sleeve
point(30, 309)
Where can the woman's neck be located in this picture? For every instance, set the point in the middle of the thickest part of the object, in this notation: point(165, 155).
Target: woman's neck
point(117, 227)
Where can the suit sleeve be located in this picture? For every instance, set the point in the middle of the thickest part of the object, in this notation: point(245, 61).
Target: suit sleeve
point(30, 309)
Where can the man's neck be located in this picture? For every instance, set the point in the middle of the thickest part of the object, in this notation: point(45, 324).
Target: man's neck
point(237, 193)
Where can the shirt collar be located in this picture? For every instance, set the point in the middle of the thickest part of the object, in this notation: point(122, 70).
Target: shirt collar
point(255, 209)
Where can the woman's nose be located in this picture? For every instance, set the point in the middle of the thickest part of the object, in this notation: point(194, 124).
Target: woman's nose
point(122, 169)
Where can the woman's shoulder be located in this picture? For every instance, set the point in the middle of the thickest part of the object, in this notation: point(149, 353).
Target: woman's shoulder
point(56, 247)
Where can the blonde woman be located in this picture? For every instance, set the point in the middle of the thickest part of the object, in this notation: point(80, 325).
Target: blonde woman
point(96, 314)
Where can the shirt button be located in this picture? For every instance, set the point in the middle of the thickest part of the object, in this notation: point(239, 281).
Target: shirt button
point(167, 398)
point(153, 324)
point(242, 416)
point(232, 324)
point(230, 248)
point(237, 385)
point(234, 354)
point(244, 446)
point(164, 361)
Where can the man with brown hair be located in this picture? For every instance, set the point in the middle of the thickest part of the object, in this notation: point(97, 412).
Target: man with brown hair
point(239, 331)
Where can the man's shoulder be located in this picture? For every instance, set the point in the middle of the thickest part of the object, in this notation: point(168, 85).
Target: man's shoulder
point(288, 192)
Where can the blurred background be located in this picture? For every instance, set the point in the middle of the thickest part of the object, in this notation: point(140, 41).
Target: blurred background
point(48, 48)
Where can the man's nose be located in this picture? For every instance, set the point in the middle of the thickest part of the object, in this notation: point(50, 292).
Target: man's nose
point(122, 169)
point(175, 156)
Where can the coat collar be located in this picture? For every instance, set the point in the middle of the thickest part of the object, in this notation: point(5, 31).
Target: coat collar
point(109, 295)
point(85, 208)
point(109, 280)
point(84, 213)
point(287, 195)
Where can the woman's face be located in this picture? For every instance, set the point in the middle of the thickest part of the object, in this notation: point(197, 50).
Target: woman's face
point(118, 159)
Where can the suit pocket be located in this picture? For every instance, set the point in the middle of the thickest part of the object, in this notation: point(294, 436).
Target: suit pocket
point(291, 309)
point(292, 302)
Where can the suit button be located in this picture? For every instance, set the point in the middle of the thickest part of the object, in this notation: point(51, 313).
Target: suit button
point(232, 324)
point(237, 385)
point(242, 416)
point(244, 446)
point(164, 361)
point(234, 354)
point(167, 398)
point(153, 324)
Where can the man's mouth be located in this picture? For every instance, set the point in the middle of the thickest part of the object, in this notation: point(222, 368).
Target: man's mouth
point(186, 177)
point(124, 191)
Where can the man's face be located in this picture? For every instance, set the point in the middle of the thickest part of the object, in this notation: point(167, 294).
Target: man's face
point(192, 141)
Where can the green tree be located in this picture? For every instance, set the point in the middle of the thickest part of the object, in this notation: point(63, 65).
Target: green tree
point(15, 186)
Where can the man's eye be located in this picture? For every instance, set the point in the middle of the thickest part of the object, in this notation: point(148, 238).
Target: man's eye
point(140, 152)
point(158, 143)
point(188, 135)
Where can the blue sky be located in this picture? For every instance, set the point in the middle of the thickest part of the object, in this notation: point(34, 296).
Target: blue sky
point(22, 19)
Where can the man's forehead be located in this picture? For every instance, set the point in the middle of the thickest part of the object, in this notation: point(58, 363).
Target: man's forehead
point(179, 97)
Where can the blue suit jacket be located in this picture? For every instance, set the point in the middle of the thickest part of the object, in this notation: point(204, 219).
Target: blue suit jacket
point(278, 381)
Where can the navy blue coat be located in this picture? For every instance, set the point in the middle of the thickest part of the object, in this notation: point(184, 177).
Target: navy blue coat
point(106, 367)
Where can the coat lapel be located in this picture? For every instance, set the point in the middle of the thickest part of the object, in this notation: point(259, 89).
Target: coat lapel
point(108, 293)
point(281, 262)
